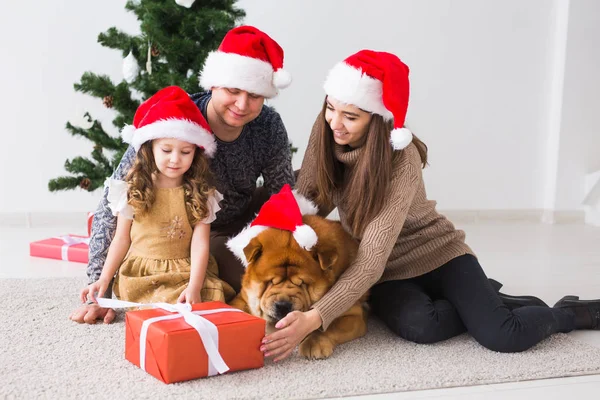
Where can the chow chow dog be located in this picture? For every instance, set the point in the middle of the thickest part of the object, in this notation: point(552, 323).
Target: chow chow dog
point(282, 276)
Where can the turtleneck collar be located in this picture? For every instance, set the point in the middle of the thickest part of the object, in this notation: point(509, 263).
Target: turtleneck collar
point(347, 155)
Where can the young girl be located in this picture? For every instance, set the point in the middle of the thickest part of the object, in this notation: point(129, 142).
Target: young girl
point(429, 286)
point(164, 209)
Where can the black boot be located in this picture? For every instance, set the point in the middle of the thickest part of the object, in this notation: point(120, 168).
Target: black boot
point(587, 312)
point(513, 302)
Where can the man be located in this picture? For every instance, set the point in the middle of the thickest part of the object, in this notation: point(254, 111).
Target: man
point(251, 141)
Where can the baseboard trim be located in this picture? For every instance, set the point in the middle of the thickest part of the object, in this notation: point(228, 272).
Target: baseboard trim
point(528, 215)
point(79, 218)
point(566, 217)
point(43, 219)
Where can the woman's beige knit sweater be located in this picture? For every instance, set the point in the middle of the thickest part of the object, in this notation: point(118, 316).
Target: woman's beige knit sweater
point(406, 239)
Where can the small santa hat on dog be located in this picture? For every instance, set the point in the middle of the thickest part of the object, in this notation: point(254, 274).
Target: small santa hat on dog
point(247, 59)
point(170, 113)
point(376, 82)
point(283, 211)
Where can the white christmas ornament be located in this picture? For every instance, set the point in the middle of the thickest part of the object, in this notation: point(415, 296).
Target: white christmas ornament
point(185, 3)
point(149, 60)
point(131, 68)
point(81, 119)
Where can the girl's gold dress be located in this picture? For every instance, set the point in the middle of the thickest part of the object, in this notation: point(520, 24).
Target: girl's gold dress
point(157, 267)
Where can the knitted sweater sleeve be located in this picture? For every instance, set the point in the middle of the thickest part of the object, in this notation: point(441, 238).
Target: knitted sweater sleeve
point(305, 184)
point(376, 245)
point(278, 167)
point(105, 224)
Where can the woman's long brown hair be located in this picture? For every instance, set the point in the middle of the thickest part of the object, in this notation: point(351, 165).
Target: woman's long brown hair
point(196, 184)
point(364, 191)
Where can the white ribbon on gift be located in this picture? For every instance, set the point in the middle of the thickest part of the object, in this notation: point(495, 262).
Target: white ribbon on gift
point(70, 241)
point(209, 334)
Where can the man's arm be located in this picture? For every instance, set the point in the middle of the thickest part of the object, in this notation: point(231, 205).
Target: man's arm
point(278, 165)
point(105, 224)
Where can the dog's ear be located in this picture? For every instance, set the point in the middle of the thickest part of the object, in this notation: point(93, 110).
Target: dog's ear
point(253, 250)
point(327, 256)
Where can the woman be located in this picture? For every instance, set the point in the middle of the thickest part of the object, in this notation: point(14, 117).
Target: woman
point(426, 283)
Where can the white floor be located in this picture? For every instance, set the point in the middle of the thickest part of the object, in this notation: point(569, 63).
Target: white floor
point(548, 261)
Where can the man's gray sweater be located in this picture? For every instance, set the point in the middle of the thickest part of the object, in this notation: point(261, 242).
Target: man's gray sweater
point(261, 149)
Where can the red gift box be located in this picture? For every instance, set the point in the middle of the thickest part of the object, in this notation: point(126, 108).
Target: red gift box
point(176, 351)
point(69, 248)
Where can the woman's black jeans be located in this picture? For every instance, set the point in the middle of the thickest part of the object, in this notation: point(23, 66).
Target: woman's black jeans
point(458, 298)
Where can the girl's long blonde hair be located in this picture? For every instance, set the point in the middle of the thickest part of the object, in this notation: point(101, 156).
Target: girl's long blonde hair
point(197, 184)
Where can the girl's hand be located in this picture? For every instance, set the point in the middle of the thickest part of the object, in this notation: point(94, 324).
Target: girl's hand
point(292, 329)
point(93, 289)
point(190, 295)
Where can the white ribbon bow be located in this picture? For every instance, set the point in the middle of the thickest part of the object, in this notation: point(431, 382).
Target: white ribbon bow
point(68, 242)
point(209, 334)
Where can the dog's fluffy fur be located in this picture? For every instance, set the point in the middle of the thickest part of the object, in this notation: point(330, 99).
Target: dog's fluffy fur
point(281, 277)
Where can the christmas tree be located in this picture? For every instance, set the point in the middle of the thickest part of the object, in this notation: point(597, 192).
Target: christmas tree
point(176, 37)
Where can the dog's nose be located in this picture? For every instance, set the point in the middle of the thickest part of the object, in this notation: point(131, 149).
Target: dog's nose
point(282, 308)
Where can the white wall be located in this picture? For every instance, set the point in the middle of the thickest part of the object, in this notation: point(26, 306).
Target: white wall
point(478, 80)
point(481, 73)
point(46, 47)
point(580, 125)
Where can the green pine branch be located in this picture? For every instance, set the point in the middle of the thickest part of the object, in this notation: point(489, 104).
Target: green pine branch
point(124, 105)
point(97, 135)
point(118, 40)
point(80, 164)
point(65, 183)
point(95, 85)
point(102, 161)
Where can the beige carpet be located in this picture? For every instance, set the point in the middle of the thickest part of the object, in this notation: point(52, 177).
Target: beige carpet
point(44, 354)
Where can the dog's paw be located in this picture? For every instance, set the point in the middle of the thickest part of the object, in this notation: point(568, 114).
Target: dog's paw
point(316, 346)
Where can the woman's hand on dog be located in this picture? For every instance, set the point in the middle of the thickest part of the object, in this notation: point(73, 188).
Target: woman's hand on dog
point(292, 329)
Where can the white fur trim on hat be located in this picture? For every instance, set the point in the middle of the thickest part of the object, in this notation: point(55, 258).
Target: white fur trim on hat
point(349, 85)
point(400, 138)
point(238, 243)
point(230, 70)
point(306, 206)
point(181, 129)
point(305, 236)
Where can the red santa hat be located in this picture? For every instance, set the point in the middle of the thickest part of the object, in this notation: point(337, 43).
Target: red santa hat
point(247, 59)
point(376, 82)
point(283, 211)
point(170, 113)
